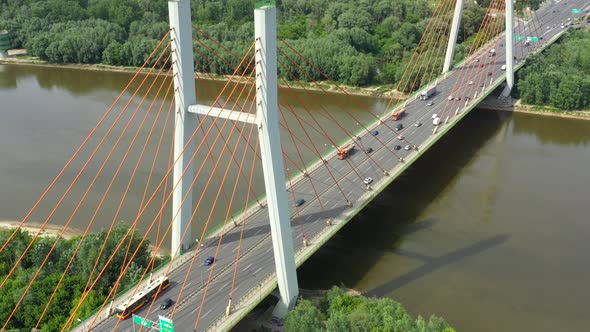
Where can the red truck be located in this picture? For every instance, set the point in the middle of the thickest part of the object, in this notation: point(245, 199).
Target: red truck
point(397, 114)
point(344, 151)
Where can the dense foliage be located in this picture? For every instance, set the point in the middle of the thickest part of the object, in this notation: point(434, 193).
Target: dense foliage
point(351, 41)
point(560, 77)
point(71, 288)
point(339, 311)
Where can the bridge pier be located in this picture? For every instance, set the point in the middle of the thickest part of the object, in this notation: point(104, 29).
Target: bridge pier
point(509, 48)
point(453, 36)
point(185, 95)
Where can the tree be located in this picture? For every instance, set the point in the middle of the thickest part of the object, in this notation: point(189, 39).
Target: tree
point(304, 318)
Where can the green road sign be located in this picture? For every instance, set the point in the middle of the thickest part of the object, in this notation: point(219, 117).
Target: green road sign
point(535, 39)
point(166, 324)
point(529, 38)
point(575, 11)
point(142, 321)
point(517, 37)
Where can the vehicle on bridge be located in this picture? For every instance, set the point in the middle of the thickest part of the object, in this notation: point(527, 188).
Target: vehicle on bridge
point(148, 293)
point(209, 260)
point(428, 92)
point(397, 114)
point(345, 150)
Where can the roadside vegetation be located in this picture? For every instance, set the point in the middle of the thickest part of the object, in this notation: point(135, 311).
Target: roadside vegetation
point(341, 311)
point(73, 284)
point(354, 42)
point(559, 78)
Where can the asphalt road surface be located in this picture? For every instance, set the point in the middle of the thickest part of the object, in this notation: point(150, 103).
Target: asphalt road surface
point(257, 262)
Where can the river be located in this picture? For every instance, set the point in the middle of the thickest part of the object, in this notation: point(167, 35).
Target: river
point(489, 229)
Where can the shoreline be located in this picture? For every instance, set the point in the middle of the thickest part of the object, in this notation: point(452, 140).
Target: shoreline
point(545, 111)
point(54, 230)
point(327, 86)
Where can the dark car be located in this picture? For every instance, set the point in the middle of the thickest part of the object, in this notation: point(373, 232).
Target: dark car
point(375, 132)
point(397, 147)
point(299, 202)
point(489, 73)
point(399, 126)
point(369, 150)
point(458, 98)
point(167, 303)
point(209, 260)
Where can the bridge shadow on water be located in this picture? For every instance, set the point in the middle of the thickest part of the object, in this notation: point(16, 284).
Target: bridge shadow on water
point(394, 215)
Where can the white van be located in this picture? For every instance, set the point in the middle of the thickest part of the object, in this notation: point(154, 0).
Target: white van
point(435, 121)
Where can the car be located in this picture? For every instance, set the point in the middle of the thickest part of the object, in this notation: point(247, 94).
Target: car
point(481, 65)
point(501, 45)
point(407, 148)
point(477, 60)
point(209, 260)
point(450, 98)
point(299, 202)
point(482, 85)
point(562, 26)
point(368, 181)
point(400, 137)
point(399, 127)
point(459, 98)
point(430, 103)
point(369, 150)
point(548, 27)
point(503, 67)
point(167, 303)
point(375, 132)
point(467, 98)
point(434, 116)
point(470, 83)
point(489, 73)
point(397, 147)
point(417, 124)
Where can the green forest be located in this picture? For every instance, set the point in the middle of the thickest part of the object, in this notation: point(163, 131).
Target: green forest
point(340, 311)
point(353, 42)
point(73, 284)
point(560, 76)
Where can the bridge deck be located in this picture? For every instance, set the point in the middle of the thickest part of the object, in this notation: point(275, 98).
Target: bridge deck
point(256, 271)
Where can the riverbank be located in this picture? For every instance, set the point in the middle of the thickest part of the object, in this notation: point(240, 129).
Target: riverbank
point(19, 57)
point(48, 231)
point(548, 111)
point(55, 230)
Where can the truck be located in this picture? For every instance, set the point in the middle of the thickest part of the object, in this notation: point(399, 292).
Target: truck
point(345, 150)
point(397, 114)
point(428, 92)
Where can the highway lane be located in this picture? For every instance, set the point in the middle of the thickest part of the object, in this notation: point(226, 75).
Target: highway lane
point(258, 263)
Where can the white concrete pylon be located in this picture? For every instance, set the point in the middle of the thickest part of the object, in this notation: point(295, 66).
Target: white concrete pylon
point(509, 48)
point(453, 36)
point(265, 28)
point(185, 95)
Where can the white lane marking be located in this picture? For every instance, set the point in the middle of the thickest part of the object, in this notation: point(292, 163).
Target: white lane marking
point(208, 312)
point(260, 268)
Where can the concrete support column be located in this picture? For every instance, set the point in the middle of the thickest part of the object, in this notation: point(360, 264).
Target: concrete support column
point(509, 48)
point(272, 160)
point(453, 36)
point(184, 84)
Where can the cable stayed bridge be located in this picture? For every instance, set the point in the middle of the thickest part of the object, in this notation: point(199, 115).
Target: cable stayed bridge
point(314, 185)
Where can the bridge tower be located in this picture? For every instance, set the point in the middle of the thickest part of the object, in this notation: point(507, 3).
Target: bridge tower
point(453, 36)
point(267, 121)
point(185, 95)
point(509, 48)
point(267, 114)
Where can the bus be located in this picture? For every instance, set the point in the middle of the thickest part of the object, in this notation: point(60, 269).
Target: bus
point(146, 294)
